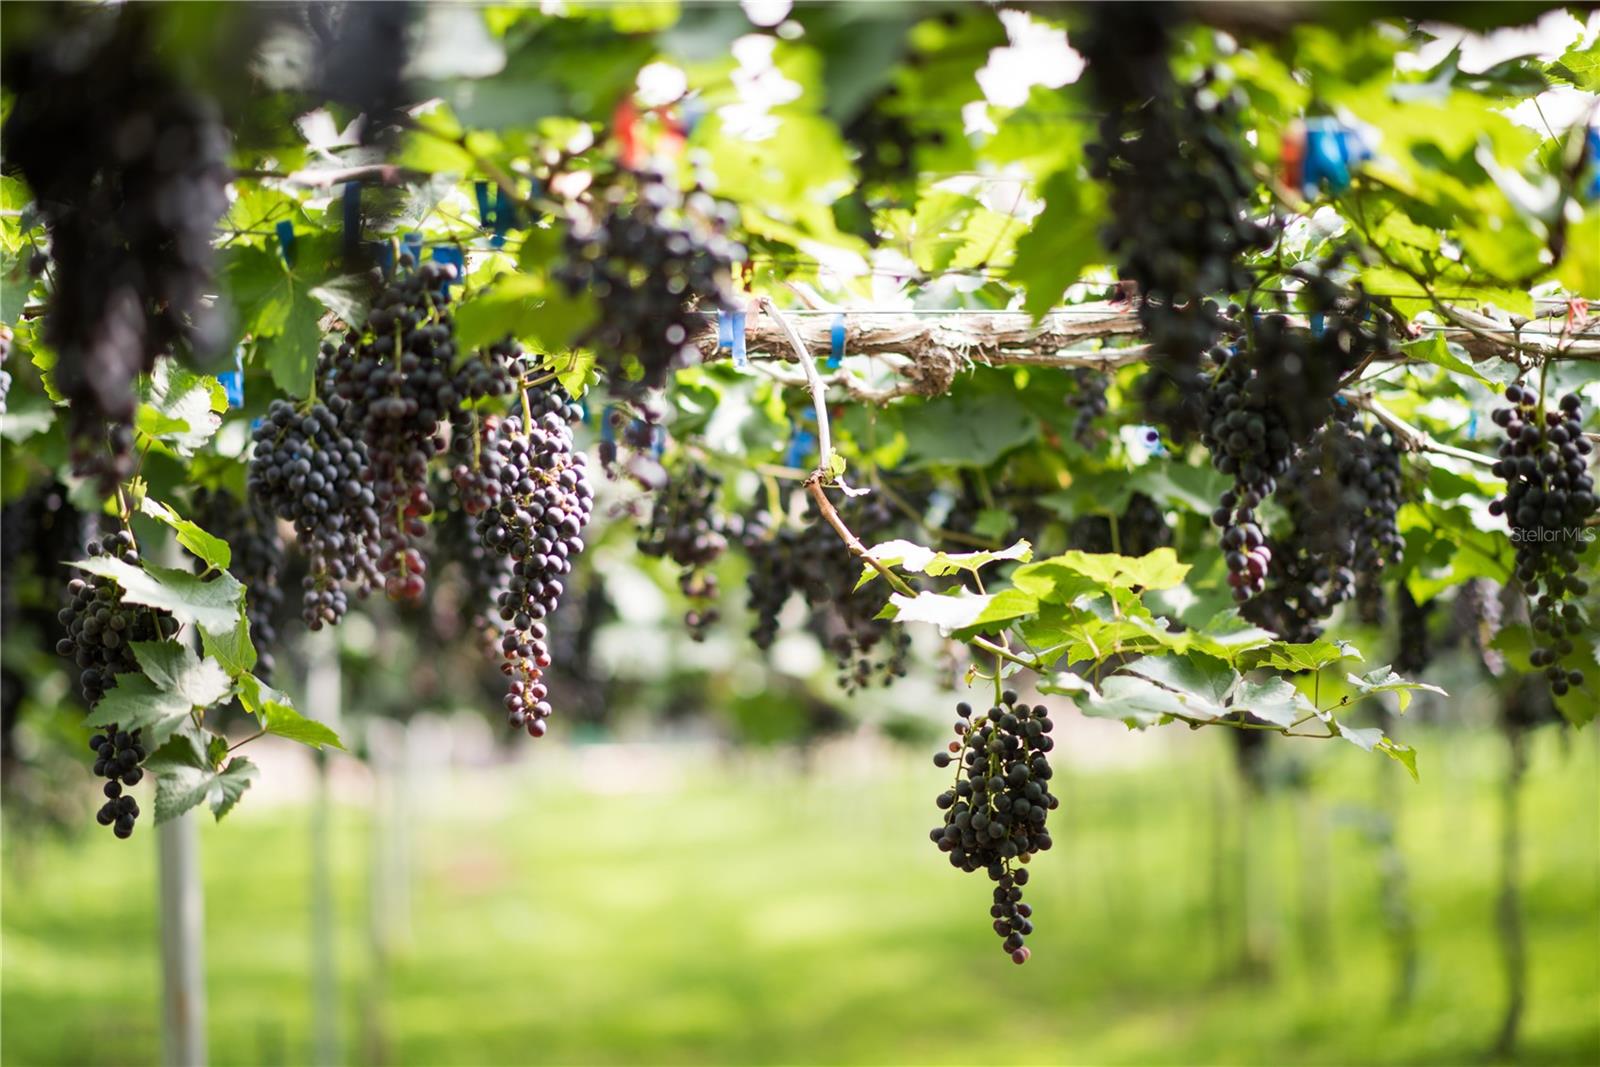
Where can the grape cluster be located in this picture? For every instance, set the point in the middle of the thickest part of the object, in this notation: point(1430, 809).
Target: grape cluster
point(1340, 497)
point(649, 260)
point(488, 373)
point(886, 140)
point(1413, 652)
point(1141, 529)
point(1091, 403)
point(812, 562)
point(545, 501)
point(394, 383)
point(1248, 439)
point(118, 755)
point(687, 528)
point(1548, 499)
point(101, 629)
point(130, 170)
point(994, 815)
point(1179, 190)
point(251, 531)
point(361, 52)
point(311, 471)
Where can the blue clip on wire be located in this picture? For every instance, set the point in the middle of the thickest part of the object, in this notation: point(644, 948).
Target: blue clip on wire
point(801, 441)
point(1319, 324)
point(485, 209)
point(836, 342)
point(503, 214)
point(452, 255)
point(658, 440)
point(286, 241)
point(608, 432)
point(233, 380)
point(1592, 146)
point(741, 358)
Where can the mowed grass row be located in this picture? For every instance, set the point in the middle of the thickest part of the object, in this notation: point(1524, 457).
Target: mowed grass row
point(745, 912)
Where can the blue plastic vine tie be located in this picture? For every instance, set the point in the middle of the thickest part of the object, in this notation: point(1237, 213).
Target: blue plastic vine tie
point(1472, 427)
point(836, 342)
point(452, 255)
point(286, 241)
point(741, 358)
point(608, 433)
point(658, 440)
point(383, 255)
point(535, 191)
point(724, 329)
point(233, 380)
point(1319, 324)
point(1328, 154)
point(503, 214)
point(485, 211)
point(1593, 147)
point(352, 222)
point(801, 441)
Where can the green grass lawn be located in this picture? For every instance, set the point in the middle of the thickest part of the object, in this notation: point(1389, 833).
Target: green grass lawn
point(752, 914)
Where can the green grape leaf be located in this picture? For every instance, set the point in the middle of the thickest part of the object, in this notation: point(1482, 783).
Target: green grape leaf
point(179, 408)
point(212, 605)
point(1067, 683)
point(1436, 350)
point(185, 778)
point(1402, 754)
point(910, 556)
point(1138, 702)
point(212, 551)
point(174, 668)
point(1276, 700)
point(1061, 242)
point(525, 307)
point(1155, 570)
point(963, 610)
point(1199, 680)
point(136, 703)
point(1311, 656)
point(290, 353)
point(277, 715)
point(233, 648)
point(1384, 680)
point(347, 296)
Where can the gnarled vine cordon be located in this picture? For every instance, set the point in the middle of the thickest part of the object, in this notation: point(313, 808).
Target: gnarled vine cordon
point(927, 351)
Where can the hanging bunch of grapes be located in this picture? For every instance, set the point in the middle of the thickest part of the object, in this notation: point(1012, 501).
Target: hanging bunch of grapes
point(1340, 498)
point(130, 169)
point(1180, 192)
point(101, 632)
point(1548, 500)
point(652, 258)
point(544, 502)
point(687, 526)
point(811, 561)
point(995, 814)
point(393, 383)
